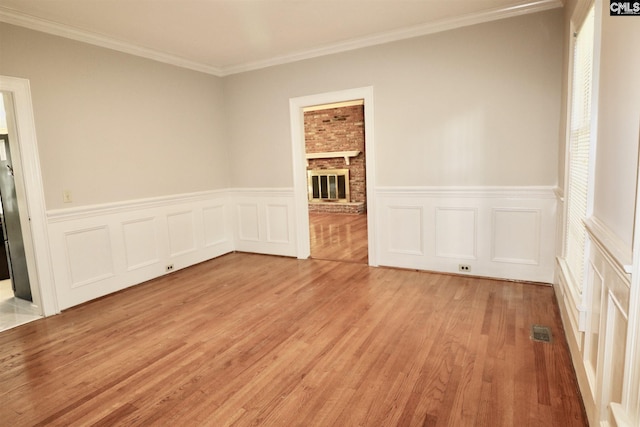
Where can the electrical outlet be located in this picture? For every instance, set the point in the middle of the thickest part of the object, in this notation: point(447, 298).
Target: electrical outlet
point(66, 196)
point(464, 267)
point(169, 267)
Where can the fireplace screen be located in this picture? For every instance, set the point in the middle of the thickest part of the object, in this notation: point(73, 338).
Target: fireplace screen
point(330, 185)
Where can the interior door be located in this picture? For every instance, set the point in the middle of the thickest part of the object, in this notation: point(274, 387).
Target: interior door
point(11, 225)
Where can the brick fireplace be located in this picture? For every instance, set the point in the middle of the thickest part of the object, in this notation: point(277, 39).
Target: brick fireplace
point(334, 142)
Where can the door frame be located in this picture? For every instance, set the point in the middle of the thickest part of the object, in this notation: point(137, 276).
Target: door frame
point(296, 105)
point(42, 283)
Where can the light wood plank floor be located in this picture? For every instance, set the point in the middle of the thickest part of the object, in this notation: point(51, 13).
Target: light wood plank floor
point(339, 237)
point(260, 340)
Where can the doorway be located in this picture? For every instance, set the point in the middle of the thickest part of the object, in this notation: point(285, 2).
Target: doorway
point(16, 296)
point(31, 194)
point(336, 180)
point(13, 261)
point(301, 187)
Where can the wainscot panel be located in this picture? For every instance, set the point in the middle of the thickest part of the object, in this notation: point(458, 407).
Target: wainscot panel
point(505, 232)
point(97, 250)
point(264, 221)
point(597, 334)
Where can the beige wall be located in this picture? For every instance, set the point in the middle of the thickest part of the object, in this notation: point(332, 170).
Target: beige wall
point(473, 106)
point(114, 127)
point(618, 119)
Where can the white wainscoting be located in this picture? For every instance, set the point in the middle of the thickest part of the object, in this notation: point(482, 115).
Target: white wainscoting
point(98, 250)
point(596, 323)
point(499, 232)
point(505, 232)
point(264, 221)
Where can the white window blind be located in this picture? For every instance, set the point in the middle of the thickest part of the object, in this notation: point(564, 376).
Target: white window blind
point(579, 148)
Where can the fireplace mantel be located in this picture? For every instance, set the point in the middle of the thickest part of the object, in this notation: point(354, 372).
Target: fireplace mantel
point(333, 154)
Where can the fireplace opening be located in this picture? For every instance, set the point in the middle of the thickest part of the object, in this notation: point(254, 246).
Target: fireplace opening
point(328, 185)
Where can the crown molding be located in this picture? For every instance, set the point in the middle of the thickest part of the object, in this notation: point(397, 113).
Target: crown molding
point(38, 24)
point(402, 34)
point(23, 20)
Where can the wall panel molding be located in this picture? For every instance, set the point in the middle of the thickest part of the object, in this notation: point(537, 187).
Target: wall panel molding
point(215, 231)
point(408, 236)
point(141, 247)
point(97, 250)
point(599, 343)
point(505, 232)
point(424, 228)
point(89, 255)
point(248, 221)
point(140, 238)
point(456, 232)
point(525, 249)
point(181, 228)
point(264, 221)
point(277, 219)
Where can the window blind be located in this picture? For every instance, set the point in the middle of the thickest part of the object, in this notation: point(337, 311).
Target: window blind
point(579, 150)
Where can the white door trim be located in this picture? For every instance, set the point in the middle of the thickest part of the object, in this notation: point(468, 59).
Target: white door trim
point(296, 105)
point(42, 283)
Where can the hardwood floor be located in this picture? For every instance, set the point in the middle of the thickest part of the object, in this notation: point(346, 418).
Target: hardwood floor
point(260, 340)
point(339, 237)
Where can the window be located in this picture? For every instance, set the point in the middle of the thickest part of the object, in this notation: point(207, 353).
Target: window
point(579, 150)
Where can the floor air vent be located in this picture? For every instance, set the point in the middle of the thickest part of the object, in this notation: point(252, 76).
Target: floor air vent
point(540, 333)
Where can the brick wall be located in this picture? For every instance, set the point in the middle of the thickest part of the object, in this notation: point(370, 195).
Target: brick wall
point(338, 129)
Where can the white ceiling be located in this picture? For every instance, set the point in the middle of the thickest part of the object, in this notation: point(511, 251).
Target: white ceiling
point(223, 37)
